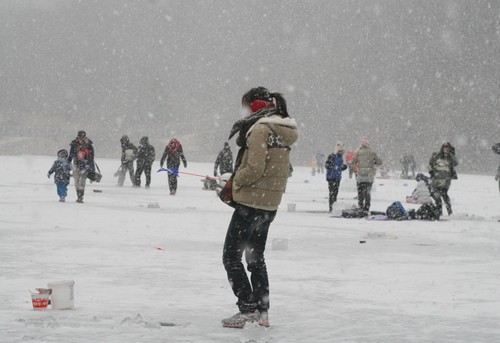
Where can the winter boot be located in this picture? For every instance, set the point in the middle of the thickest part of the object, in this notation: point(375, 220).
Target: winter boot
point(62, 199)
point(80, 196)
point(448, 208)
point(239, 320)
point(264, 319)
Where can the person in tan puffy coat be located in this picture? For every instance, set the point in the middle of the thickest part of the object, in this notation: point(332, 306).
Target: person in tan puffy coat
point(265, 138)
point(366, 160)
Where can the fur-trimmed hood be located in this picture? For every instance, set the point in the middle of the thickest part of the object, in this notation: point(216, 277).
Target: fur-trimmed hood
point(286, 128)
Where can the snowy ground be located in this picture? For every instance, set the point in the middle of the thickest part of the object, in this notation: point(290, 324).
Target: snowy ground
point(411, 281)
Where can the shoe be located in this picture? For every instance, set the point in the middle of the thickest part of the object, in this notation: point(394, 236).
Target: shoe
point(239, 320)
point(172, 193)
point(80, 196)
point(147, 186)
point(264, 319)
point(62, 199)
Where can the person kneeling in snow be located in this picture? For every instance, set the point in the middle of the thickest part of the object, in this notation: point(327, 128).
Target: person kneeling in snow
point(420, 195)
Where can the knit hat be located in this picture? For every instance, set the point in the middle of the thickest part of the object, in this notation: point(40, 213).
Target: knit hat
point(64, 151)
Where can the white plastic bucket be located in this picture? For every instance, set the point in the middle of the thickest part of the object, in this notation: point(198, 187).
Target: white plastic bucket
point(291, 207)
point(63, 294)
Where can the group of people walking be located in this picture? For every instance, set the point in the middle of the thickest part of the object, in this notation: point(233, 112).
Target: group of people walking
point(80, 164)
point(144, 156)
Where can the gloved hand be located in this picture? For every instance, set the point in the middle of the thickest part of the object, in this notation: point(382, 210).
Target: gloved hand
point(496, 178)
point(215, 174)
point(185, 164)
point(48, 175)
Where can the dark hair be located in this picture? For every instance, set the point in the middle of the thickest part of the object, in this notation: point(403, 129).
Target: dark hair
point(81, 134)
point(280, 104)
point(262, 93)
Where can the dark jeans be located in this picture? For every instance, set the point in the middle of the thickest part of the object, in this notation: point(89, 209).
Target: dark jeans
point(146, 168)
point(172, 182)
point(126, 166)
point(333, 190)
point(364, 195)
point(437, 194)
point(247, 233)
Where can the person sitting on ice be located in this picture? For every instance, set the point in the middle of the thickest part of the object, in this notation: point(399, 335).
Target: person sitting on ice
point(420, 195)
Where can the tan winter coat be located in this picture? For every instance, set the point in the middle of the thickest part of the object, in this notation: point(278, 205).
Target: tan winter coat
point(261, 178)
point(367, 161)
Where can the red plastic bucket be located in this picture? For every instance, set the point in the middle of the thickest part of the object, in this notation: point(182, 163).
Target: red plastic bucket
point(39, 300)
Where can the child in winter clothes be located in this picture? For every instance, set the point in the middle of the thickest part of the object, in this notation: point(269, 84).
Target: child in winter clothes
point(62, 170)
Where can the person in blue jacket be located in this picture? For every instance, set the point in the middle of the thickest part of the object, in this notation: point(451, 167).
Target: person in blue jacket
point(334, 166)
point(62, 170)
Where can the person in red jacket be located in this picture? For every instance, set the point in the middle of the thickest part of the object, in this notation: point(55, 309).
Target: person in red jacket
point(349, 156)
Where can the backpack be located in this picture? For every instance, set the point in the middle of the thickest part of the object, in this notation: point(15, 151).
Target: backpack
point(396, 211)
point(428, 212)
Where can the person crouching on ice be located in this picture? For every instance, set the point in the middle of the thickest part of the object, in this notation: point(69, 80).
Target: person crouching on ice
point(62, 172)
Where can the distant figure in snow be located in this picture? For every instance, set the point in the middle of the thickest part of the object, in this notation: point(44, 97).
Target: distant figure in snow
point(349, 156)
point(129, 154)
point(62, 172)
point(173, 154)
point(145, 159)
point(320, 158)
point(496, 150)
point(442, 170)
point(334, 167)
point(224, 161)
point(408, 161)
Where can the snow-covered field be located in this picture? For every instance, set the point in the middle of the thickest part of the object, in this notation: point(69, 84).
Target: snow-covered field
point(412, 281)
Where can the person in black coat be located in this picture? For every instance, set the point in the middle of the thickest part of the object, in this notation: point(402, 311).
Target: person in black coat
point(173, 154)
point(496, 150)
point(224, 161)
point(442, 170)
point(145, 159)
point(81, 153)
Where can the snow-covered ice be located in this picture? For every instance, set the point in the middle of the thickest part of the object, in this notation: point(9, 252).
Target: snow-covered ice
point(136, 265)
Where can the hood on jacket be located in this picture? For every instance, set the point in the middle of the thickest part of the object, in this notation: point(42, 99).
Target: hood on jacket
point(286, 128)
point(63, 151)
